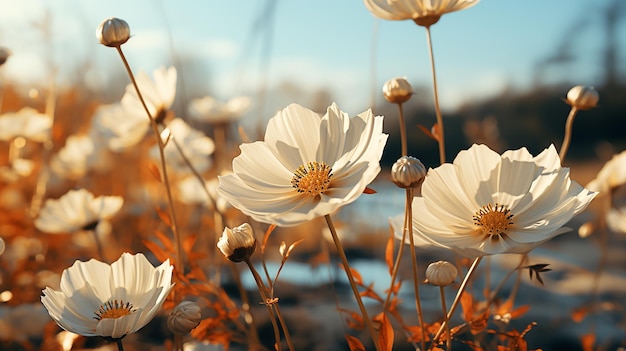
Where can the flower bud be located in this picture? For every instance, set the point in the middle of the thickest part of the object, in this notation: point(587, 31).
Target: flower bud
point(237, 244)
point(441, 273)
point(583, 97)
point(397, 90)
point(4, 55)
point(408, 172)
point(113, 32)
point(184, 317)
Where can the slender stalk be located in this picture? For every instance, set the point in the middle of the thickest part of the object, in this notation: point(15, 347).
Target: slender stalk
point(120, 347)
point(568, 133)
point(441, 138)
point(396, 264)
point(355, 290)
point(402, 130)
point(250, 330)
point(98, 245)
point(418, 304)
point(178, 239)
point(262, 290)
point(457, 298)
point(445, 316)
point(284, 327)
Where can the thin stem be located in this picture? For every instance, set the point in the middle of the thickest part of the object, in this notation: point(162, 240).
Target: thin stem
point(250, 330)
point(98, 245)
point(355, 290)
point(174, 226)
point(402, 130)
point(284, 327)
point(396, 264)
point(418, 304)
point(457, 298)
point(120, 347)
point(262, 291)
point(440, 139)
point(568, 133)
point(445, 316)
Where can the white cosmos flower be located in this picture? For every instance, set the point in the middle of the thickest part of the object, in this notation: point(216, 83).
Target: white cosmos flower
point(118, 128)
point(611, 181)
point(158, 94)
point(196, 147)
point(74, 159)
point(208, 109)
point(485, 203)
point(76, 210)
point(26, 123)
point(98, 299)
point(416, 10)
point(191, 193)
point(308, 166)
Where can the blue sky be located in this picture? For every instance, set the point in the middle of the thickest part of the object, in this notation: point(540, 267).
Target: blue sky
point(322, 44)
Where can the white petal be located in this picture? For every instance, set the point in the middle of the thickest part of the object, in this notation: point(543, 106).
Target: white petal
point(475, 168)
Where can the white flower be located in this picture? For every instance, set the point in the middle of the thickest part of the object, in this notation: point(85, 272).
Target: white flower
point(308, 166)
point(196, 147)
point(423, 12)
point(73, 160)
point(76, 210)
point(611, 181)
point(97, 299)
point(208, 109)
point(237, 244)
point(485, 203)
point(191, 193)
point(26, 123)
point(158, 94)
point(119, 128)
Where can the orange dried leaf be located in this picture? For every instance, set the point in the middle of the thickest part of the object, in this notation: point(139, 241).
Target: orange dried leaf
point(266, 237)
point(154, 170)
point(369, 191)
point(426, 131)
point(389, 252)
point(580, 313)
point(587, 342)
point(165, 217)
point(435, 132)
point(354, 344)
point(386, 335)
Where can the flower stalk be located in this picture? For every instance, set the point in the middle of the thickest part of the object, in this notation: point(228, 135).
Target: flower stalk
point(409, 226)
point(355, 290)
point(568, 133)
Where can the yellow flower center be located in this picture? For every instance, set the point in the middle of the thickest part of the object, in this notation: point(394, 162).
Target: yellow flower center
point(114, 309)
point(312, 178)
point(493, 220)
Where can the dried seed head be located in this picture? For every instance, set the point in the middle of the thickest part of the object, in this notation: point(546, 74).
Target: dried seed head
point(583, 97)
point(397, 90)
point(184, 317)
point(441, 273)
point(408, 172)
point(113, 32)
point(4, 55)
point(237, 244)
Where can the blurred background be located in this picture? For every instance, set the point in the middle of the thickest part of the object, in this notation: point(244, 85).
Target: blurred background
point(503, 66)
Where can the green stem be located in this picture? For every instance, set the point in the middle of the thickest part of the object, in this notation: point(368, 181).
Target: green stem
point(355, 290)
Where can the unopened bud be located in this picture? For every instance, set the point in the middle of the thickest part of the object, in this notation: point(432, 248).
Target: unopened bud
point(184, 317)
point(583, 97)
point(237, 244)
point(397, 90)
point(4, 55)
point(408, 172)
point(441, 273)
point(113, 32)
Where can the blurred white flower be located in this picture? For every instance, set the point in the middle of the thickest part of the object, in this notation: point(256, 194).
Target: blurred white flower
point(26, 123)
point(97, 299)
point(611, 181)
point(196, 147)
point(191, 193)
point(75, 158)
point(308, 166)
point(118, 128)
point(22, 322)
point(485, 203)
point(158, 94)
point(76, 210)
point(210, 110)
point(423, 12)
